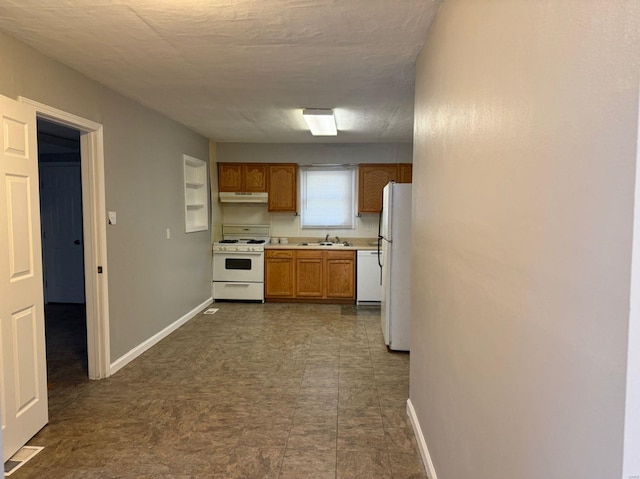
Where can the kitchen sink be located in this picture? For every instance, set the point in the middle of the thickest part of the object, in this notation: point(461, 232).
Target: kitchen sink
point(325, 244)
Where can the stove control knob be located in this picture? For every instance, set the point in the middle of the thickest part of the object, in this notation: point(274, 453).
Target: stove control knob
point(223, 248)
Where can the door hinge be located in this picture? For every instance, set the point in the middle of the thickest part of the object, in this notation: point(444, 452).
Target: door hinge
point(99, 269)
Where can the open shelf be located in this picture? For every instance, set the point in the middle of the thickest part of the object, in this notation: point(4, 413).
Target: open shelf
point(196, 195)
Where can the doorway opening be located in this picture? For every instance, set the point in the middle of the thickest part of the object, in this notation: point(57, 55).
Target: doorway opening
point(59, 167)
point(94, 235)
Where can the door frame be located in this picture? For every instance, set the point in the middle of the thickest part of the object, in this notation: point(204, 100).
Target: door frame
point(631, 441)
point(94, 233)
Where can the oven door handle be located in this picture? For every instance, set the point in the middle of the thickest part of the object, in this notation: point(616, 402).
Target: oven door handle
point(239, 284)
point(245, 253)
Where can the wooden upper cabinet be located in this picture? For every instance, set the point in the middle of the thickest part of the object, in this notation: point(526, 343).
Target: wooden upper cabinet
point(229, 176)
point(242, 177)
point(255, 177)
point(283, 187)
point(405, 172)
point(371, 181)
point(372, 178)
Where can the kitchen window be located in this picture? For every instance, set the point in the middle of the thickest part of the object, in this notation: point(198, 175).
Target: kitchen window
point(327, 195)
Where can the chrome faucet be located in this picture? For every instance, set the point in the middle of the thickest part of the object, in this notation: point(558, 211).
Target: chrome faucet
point(337, 240)
point(326, 238)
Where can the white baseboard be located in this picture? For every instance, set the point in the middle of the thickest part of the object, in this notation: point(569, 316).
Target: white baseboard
point(422, 444)
point(125, 359)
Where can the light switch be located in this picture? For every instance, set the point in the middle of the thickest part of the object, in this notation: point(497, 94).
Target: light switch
point(168, 233)
point(112, 217)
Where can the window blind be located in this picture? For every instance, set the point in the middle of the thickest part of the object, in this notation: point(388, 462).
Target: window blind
point(328, 197)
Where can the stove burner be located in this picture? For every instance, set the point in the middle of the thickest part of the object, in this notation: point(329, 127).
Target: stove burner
point(227, 241)
point(253, 241)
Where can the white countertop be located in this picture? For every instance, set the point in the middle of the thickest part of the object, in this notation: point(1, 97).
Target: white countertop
point(356, 244)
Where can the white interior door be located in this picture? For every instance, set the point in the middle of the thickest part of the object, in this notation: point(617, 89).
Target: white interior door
point(23, 375)
point(61, 200)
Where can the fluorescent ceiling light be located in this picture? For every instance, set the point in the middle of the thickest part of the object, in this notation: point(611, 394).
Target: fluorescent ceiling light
point(321, 121)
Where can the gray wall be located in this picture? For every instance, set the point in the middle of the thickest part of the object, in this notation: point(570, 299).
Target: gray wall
point(152, 281)
point(524, 166)
point(342, 153)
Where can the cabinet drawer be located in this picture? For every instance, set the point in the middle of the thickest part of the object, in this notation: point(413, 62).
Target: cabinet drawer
point(340, 255)
point(279, 253)
point(309, 253)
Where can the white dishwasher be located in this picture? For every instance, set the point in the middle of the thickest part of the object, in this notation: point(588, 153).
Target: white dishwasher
point(368, 281)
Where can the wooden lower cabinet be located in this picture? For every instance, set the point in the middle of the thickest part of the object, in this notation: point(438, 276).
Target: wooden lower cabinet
point(309, 269)
point(279, 270)
point(310, 275)
point(339, 273)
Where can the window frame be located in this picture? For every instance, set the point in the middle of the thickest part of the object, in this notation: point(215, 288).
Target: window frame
point(351, 214)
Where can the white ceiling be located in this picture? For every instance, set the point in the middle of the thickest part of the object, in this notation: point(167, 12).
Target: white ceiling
point(241, 70)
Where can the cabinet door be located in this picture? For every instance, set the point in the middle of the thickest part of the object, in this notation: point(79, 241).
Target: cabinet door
point(340, 274)
point(405, 172)
point(255, 177)
point(230, 177)
point(372, 179)
point(283, 187)
point(279, 274)
point(309, 266)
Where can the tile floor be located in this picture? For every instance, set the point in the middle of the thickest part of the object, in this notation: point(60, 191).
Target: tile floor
point(255, 391)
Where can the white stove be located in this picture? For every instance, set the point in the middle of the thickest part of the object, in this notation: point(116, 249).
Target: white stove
point(235, 245)
point(238, 263)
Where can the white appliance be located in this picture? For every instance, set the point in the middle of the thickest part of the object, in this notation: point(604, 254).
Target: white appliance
point(369, 277)
point(226, 197)
point(238, 263)
point(395, 261)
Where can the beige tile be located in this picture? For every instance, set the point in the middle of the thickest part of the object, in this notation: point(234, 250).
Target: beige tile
point(367, 417)
point(309, 464)
point(323, 397)
point(316, 436)
point(358, 397)
point(395, 416)
point(407, 466)
point(401, 440)
point(361, 438)
point(261, 390)
point(245, 462)
point(363, 464)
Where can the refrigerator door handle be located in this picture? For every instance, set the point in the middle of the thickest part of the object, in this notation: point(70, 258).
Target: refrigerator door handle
point(380, 259)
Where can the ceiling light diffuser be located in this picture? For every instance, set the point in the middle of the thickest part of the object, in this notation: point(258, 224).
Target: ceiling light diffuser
point(321, 121)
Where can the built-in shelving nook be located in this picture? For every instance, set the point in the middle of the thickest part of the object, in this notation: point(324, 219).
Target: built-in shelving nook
point(196, 195)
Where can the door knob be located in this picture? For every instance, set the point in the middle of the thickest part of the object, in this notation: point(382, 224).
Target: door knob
point(76, 242)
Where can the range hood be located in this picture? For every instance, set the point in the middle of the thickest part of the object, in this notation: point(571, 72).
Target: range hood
point(243, 197)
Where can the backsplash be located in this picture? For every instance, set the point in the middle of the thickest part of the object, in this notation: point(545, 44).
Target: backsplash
point(288, 224)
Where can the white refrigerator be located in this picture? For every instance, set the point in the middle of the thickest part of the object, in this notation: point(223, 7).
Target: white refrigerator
point(395, 260)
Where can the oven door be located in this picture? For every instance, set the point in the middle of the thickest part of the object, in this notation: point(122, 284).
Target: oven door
point(241, 266)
